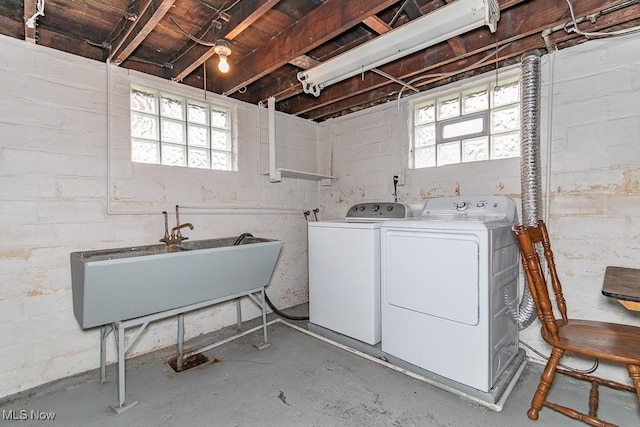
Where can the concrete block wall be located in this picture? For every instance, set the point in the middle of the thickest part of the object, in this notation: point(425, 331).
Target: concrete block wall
point(370, 147)
point(590, 154)
point(65, 186)
point(592, 157)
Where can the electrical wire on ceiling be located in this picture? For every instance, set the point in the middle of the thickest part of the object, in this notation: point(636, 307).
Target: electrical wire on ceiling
point(470, 67)
point(592, 18)
point(157, 64)
point(219, 12)
point(191, 36)
point(128, 17)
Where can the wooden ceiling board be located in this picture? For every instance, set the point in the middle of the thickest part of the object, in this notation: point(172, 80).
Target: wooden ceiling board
point(267, 36)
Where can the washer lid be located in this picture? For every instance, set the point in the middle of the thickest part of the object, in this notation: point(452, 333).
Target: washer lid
point(378, 211)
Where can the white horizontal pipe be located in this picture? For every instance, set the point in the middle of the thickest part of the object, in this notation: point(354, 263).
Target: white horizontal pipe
point(494, 406)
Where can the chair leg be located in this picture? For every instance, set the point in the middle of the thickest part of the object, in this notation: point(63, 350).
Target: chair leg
point(634, 373)
point(546, 379)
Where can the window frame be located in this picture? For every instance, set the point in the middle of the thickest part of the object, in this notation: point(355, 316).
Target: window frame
point(460, 91)
point(187, 123)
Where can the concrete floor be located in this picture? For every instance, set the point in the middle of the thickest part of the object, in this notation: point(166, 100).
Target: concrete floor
point(298, 381)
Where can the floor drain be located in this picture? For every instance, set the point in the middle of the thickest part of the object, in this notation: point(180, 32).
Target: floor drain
point(191, 362)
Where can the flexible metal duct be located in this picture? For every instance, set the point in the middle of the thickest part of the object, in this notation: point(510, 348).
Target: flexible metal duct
point(530, 162)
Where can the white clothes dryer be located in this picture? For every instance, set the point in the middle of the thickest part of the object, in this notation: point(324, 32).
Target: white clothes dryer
point(449, 288)
point(344, 270)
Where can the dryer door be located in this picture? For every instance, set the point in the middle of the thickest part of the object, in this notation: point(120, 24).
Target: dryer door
point(432, 272)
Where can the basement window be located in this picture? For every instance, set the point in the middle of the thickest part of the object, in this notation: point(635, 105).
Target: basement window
point(478, 122)
point(168, 129)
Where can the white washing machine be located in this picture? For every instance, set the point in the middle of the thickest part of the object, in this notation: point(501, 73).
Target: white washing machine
point(449, 288)
point(344, 270)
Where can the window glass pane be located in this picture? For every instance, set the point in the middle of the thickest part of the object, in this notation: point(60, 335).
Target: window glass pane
point(449, 153)
point(145, 151)
point(219, 119)
point(505, 119)
point(475, 149)
point(220, 140)
point(426, 114)
point(448, 108)
point(505, 145)
point(197, 114)
point(172, 131)
point(199, 158)
point(144, 101)
point(425, 156)
point(466, 127)
point(475, 101)
point(172, 107)
point(198, 135)
point(173, 155)
point(220, 161)
point(508, 93)
point(144, 126)
point(425, 135)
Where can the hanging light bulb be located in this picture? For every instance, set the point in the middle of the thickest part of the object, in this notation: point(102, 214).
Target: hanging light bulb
point(223, 49)
point(223, 65)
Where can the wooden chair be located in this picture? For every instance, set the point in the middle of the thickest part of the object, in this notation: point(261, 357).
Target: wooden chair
point(607, 341)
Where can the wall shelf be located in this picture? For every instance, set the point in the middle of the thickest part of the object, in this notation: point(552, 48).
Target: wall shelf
point(275, 173)
point(290, 173)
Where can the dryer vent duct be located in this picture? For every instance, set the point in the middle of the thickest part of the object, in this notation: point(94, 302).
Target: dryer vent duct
point(530, 162)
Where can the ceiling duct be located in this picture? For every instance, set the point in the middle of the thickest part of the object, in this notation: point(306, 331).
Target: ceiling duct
point(440, 25)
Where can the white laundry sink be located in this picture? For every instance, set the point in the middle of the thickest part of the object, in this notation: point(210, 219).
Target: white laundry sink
point(112, 285)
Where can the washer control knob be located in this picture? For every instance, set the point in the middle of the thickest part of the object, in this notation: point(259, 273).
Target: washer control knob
point(375, 208)
point(481, 204)
point(462, 206)
point(361, 207)
point(354, 209)
point(389, 208)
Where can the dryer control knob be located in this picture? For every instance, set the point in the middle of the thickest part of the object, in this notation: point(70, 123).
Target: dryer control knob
point(376, 208)
point(354, 209)
point(361, 207)
point(481, 204)
point(389, 208)
point(462, 206)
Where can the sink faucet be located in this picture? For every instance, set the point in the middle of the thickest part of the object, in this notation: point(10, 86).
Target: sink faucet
point(176, 236)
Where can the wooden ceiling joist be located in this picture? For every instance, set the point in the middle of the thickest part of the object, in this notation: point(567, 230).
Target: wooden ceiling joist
point(242, 16)
point(317, 27)
point(29, 11)
point(377, 24)
point(523, 37)
point(148, 16)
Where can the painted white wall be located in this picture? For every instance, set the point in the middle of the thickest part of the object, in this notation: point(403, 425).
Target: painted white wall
point(54, 190)
point(590, 160)
point(57, 170)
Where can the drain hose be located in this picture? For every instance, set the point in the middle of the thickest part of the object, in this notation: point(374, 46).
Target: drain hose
point(266, 297)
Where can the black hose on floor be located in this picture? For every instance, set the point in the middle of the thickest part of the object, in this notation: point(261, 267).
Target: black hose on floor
point(266, 297)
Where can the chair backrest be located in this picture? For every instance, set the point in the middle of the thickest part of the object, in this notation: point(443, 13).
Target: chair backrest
point(528, 239)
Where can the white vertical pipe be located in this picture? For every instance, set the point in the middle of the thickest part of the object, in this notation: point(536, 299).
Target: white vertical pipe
point(271, 122)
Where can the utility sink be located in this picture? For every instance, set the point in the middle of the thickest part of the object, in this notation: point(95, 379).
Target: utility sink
point(112, 285)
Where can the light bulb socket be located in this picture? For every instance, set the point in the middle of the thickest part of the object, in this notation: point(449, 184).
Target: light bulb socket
point(222, 47)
